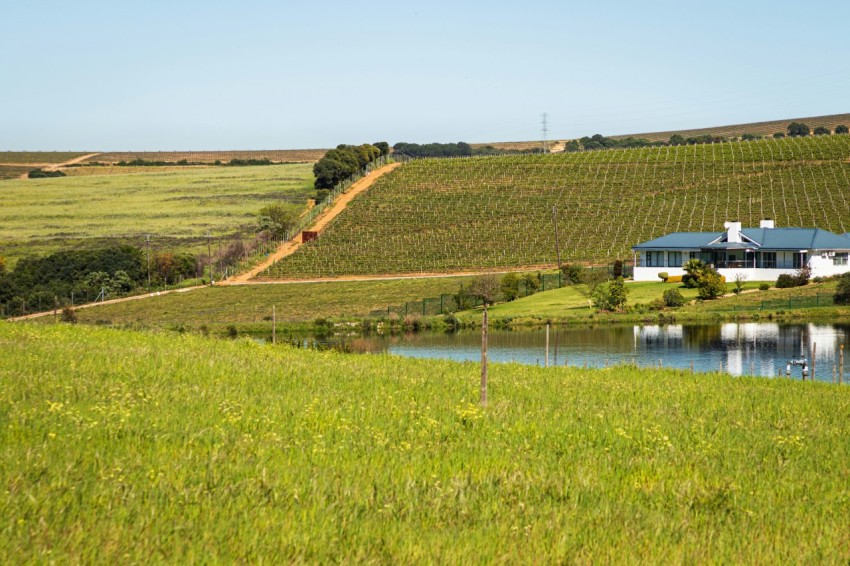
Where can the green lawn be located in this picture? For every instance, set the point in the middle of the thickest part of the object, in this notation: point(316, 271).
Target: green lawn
point(125, 447)
point(177, 207)
point(573, 302)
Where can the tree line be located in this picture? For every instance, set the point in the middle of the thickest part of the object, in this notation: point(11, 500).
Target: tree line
point(343, 162)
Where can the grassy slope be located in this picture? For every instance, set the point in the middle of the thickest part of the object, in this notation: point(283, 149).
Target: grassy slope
point(127, 447)
point(178, 208)
point(486, 213)
point(276, 155)
point(759, 128)
point(730, 131)
point(570, 304)
point(38, 157)
point(251, 304)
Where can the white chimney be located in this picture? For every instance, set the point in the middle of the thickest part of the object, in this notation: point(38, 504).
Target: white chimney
point(733, 232)
point(767, 223)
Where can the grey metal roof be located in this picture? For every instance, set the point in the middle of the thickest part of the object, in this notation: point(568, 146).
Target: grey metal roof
point(684, 240)
point(765, 238)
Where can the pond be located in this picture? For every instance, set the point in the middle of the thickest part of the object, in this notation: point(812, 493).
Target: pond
point(762, 349)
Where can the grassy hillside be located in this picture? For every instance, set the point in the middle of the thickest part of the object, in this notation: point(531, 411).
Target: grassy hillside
point(120, 447)
point(275, 155)
point(177, 208)
point(485, 213)
point(241, 305)
point(759, 128)
point(37, 157)
point(730, 131)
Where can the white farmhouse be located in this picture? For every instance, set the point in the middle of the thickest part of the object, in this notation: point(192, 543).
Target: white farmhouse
point(756, 254)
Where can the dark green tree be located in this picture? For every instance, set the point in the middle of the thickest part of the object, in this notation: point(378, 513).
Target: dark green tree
point(797, 129)
point(822, 131)
point(841, 129)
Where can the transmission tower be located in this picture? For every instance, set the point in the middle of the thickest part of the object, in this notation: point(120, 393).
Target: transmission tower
point(544, 129)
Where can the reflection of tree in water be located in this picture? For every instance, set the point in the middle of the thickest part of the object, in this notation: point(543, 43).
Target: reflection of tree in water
point(701, 336)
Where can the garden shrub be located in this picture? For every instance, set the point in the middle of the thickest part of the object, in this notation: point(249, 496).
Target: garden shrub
point(673, 298)
point(842, 291)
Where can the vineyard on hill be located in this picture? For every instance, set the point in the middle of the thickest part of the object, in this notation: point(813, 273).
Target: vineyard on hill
point(438, 215)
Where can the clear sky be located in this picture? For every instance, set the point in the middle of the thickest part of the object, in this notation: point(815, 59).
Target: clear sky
point(155, 75)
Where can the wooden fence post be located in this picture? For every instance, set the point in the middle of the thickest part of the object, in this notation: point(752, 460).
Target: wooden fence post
point(484, 358)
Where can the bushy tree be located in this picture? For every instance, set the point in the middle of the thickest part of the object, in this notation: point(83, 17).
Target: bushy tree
point(694, 269)
point(485, 288)
point(779, 135)
point(673, 298)
point(710, 285)
point(841, 129)
point(532, 283)
point(610, 296)
point(383, 147)
point(750, 137)
point(573, 273)
point(277, 219)
point(822, 131)
point(617, 269)
point(69, 315)
point(677, 139)
point(797, 129)
point(510, 286)
point(842, 290)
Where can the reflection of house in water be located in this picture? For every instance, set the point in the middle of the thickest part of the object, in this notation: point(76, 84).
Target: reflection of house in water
point(745, 348)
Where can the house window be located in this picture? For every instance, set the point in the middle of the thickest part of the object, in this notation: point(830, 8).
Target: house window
point(800, 260)
point(654, 259)
point(674, 259)
point(767, 260)
point(839, 259)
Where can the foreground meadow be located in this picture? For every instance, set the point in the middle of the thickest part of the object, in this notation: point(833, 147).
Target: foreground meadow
point(125, 447)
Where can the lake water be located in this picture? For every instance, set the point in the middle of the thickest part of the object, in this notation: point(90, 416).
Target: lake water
point(741, 348)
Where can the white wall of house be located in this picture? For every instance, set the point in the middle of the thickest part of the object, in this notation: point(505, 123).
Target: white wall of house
point(820, 267)
point(826, 266)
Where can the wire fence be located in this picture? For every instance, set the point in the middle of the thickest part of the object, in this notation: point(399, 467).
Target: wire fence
point(448, 303)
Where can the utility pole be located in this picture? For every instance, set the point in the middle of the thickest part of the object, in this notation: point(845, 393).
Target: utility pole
point(557, 244)
point(544, 129)
point(148, 255)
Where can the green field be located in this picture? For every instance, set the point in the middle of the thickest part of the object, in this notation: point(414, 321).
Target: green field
point(132, 447)
point(38, 157)
point(440, 215)
point(252, 305)
point(177, 208)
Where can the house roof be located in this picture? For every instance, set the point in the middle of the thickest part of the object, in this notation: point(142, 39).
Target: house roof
point(762, 239)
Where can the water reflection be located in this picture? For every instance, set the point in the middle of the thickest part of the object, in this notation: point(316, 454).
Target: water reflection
point(739, 349)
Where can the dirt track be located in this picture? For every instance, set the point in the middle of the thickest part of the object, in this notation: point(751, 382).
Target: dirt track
point(288, 248)
point(56, 166)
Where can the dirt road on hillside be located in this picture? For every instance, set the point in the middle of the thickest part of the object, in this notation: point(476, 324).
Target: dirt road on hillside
point(54, 166)
point(334, 210)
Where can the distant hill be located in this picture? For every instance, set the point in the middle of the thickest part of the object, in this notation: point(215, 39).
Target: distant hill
point(730, 131)
point(274, 155)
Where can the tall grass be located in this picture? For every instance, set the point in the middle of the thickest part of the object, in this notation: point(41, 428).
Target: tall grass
point(130, 447)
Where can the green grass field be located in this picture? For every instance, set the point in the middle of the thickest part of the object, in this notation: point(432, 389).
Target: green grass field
point(178, 208)
point(134, 447)
point(439, 215)
point(251, 305)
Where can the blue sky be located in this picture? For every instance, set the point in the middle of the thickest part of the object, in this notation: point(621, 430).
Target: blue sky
point(258, 75)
